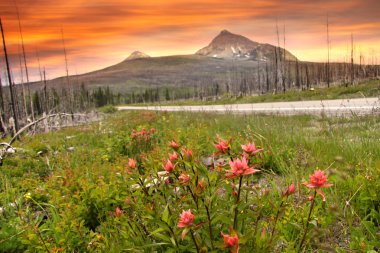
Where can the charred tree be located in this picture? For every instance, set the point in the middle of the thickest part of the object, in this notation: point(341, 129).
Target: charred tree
point(328, 52)
point(352, 69)
point(13, 104)
point(25, 64)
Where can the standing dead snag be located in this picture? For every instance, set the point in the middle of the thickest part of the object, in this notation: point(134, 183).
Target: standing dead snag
point(9, 78)
point(352, 69)
point(328, 52)
point(69, 90)
point(25, 64)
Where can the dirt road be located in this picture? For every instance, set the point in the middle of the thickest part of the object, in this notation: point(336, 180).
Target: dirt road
point(337, 107)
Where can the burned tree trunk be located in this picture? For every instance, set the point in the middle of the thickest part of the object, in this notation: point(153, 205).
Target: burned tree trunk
point(9, 78)
point(25, 65)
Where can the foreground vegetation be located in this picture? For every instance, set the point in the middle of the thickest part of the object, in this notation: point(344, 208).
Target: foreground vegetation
point(146, 182)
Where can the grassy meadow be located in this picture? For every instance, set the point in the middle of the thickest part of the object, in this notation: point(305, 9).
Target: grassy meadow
point(109, 186)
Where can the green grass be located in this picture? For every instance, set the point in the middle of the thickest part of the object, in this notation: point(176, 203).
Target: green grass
point(367, 89)
point(65, 199)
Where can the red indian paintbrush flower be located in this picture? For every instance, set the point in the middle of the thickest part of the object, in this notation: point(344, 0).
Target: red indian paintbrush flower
point(222, 145)
point(291, 189)
point(184, 179)
point(118, 212)
point(174, 144)
point(169, 166)
point(188, 153)
point(173, 157)
point(317, 181)
point(250, 149)
point(186, 219)
point(240, 168)
point(231, 241)
point(131, 163)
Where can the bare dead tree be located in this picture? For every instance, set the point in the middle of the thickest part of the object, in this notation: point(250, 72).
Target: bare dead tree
point(39, 65)
point(23, 87)
point(352, 60)
point(25, 64)
point(284, 63)
point(307, 77)
point(278, 57)
point(267, 76)
point(70, 93)
point(328, 51)
point(46, 105)
point(275, 72)
point(258, 77)
point(2, 110)
point(9, 78)
point(298, 83)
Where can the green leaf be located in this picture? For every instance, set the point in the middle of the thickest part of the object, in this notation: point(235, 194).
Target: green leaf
point(158, 230)
point(165, 215)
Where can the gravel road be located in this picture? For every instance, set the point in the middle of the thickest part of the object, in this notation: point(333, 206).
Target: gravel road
point(336, 107)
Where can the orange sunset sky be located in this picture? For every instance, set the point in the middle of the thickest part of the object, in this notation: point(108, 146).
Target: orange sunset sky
point(100, 33)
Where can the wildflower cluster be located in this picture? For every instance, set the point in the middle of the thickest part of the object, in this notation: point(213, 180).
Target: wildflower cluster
point(143, 134)
point(183, 180)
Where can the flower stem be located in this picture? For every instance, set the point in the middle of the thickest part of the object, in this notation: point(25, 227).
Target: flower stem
point(195, 241)
point(237, 202)
point(275, 221)
point(209, 226)
point(193, 196)
point(307, 222)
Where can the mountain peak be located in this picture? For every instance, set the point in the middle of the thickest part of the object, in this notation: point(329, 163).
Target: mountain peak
point(137, 55)
point(229, 45)
point(225, 32)
point(234, 46)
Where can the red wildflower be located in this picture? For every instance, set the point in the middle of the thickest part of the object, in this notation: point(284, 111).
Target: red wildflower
point(131, 163)
point(174, 144)
point(118, 212)
point(250, 149)
point(222, 145)
point(184, 178)
point(291, 189)
point(169, 166)
point(231, 241)
point(152, 130)
point(173, 157)
point(310, 198)
point(185, 221)
point(317, 181)
point(188, 153)
point(240, 168)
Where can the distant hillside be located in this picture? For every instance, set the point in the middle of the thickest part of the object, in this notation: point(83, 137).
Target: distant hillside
point(169, 71)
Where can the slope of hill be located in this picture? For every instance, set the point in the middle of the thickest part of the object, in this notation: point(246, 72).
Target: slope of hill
point(168, 71)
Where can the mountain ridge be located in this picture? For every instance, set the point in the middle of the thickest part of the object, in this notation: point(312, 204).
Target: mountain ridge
point(235, 46)
point(140, 71)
